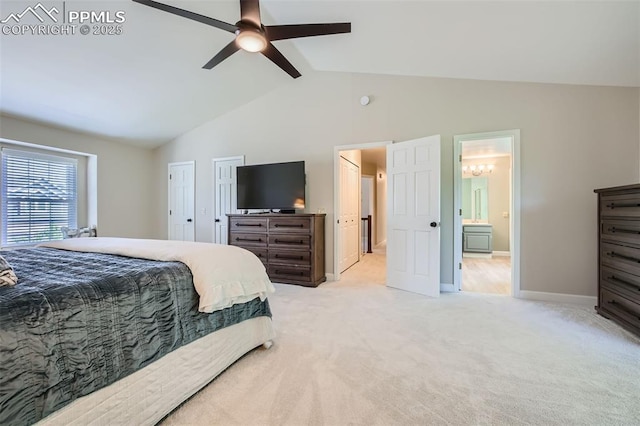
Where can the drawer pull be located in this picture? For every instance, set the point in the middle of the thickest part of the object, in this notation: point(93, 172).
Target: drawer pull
point(277, 241)
point(622, 205)
point(620, 256)
point(613, 230)
point(253, 240)
point(618, 280)
point(621, 307)
point(285, 272)
point(248, 224)
point(284, 256)
point(278, 225)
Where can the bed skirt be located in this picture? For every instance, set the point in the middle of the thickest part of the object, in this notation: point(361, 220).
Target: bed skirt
point(149, 394)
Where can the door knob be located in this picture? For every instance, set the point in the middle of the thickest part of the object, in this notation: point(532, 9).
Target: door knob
point(433, 224)
point(189, 220)
point(217, 220)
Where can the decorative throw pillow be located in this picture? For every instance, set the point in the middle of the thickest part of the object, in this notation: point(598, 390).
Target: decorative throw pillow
point(78, 232)
point(7, 276)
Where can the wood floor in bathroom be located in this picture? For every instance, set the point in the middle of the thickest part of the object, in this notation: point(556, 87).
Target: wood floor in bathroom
point(480, 275)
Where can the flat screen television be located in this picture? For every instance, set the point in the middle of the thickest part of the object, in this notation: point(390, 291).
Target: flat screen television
point(276, 186)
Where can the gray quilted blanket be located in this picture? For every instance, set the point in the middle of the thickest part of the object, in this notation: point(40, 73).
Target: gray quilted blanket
point(77, 322)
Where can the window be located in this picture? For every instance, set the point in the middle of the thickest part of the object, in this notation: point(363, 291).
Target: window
point(39, 195)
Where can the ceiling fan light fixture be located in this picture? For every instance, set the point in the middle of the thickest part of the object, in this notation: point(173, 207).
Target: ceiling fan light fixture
point(251, 40)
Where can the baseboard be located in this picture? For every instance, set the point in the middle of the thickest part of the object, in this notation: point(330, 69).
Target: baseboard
point(502, 253)
point(558, 297)
point(330, 276)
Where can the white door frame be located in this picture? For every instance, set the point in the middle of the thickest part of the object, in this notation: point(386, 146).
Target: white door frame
point(181, 163)
point(213, 182)
point(514, 219)
point(336, 197)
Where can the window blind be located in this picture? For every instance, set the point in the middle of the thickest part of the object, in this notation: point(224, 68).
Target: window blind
point(39, 195)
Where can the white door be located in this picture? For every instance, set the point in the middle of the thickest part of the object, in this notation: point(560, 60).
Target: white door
point(225, 195)
point(413, 218)
point(349, 213)
point(182, 201)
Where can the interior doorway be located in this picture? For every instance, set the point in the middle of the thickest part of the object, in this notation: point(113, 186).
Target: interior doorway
point(487, 212)
point(370, 159)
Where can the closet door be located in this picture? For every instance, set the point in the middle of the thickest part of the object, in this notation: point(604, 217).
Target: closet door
point(349, 213)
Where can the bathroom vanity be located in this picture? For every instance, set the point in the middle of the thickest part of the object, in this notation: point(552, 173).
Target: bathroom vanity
point(477, 238)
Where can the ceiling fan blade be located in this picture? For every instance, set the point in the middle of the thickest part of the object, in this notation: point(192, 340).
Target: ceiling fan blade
point(189, 15)
point(250, 11)
point(228, 50)
point(283, 32)
point(278, 58)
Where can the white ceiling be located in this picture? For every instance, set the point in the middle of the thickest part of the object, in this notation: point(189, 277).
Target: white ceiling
point(147, 85)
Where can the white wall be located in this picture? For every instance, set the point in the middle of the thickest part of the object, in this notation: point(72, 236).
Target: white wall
point(125, 173)
point(574, 139)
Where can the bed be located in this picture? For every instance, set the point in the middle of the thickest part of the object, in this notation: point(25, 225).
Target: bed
point(122, 331)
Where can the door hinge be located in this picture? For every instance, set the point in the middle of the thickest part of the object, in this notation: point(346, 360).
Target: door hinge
point(170, 213)
point(460, 158)
point(460, 265)
point(170, 176)
point(460, 212)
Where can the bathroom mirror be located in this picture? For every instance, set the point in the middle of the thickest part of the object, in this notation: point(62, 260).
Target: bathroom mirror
point(475, 200)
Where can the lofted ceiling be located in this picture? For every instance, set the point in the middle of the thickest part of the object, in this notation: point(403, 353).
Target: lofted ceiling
point(147, 84)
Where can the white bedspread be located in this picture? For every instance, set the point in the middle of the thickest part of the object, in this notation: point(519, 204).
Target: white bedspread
point(222, 275)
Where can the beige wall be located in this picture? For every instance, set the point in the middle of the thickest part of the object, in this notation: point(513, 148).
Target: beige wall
point(381, 206)
point(573, 139)
point(125, 186)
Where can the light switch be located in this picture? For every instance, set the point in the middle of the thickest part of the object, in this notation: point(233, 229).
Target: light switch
point(204, 211)
point(505, 214)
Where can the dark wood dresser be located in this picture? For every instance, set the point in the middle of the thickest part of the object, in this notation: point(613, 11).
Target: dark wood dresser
point(619, 255)
point(291, 246)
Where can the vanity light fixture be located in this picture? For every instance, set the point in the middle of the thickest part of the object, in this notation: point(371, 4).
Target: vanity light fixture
point(478, 169)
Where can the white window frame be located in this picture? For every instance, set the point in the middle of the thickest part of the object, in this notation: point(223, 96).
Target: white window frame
point(91, 173)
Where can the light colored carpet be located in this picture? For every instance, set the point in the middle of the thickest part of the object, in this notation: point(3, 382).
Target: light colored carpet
point(359, 353)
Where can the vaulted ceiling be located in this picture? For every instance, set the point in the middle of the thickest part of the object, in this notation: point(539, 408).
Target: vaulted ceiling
point(147, 84)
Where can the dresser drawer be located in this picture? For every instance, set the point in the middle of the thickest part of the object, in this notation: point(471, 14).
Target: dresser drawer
point(620, 307)
point(248, 239)
point(625, 259)
point(621, 231)
point(626, 284)
point(289, 241)
point(289, 273)
point(248, 224)
point(620, 205)
point(294, 224)
point(290, 257)
point(261, 253)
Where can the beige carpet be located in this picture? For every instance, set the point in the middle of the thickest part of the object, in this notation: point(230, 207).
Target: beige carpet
point(355, 352)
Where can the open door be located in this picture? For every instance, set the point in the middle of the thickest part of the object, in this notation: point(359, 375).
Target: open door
point(413, 217)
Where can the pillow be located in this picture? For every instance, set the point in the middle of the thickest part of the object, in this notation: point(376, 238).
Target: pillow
point(78, 232)
point(7, 276)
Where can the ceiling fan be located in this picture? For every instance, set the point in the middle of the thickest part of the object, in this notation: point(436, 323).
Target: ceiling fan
point(252, 36)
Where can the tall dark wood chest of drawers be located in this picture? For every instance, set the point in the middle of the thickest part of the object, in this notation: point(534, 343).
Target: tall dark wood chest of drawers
point(291, 246)
point(619, 255)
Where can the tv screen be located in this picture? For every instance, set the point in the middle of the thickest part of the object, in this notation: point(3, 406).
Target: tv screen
point(277, 186)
